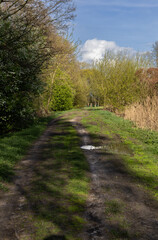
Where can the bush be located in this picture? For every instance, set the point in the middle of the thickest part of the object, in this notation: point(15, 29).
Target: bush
point(19, 69)
point(117, 81)
point(62, 94)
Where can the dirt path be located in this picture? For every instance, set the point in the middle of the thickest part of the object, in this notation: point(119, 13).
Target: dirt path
point(116, 208)
point(14, 220)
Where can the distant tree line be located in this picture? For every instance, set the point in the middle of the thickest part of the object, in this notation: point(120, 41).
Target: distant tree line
point(113, 81)
point(39, 71)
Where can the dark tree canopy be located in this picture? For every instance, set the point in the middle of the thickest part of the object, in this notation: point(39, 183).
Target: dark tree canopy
point(28, 39)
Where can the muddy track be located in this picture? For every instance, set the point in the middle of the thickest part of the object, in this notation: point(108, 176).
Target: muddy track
point(109, 181)
point(14, 222)
point(96, 228)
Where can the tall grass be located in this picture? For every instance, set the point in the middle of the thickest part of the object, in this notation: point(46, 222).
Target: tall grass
point(145, 114)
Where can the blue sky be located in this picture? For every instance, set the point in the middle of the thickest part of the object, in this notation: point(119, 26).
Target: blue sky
point(122, 23)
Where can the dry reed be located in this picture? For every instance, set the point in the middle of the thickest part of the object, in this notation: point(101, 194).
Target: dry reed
point(145, 114)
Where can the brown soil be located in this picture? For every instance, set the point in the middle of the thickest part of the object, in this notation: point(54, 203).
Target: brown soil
point(110, 180)
point(15, 208)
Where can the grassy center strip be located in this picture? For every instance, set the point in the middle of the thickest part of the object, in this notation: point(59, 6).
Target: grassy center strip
point(60, 187)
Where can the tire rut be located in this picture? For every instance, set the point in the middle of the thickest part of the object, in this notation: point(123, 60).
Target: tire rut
point(110, 181)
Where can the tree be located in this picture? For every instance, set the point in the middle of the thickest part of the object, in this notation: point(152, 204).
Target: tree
point(62, 60)
point(28, 36)
point(155, 53)
point(19, 84)
point(62, 92)
point(61, 11)
point(113, 80)
point(65, 60)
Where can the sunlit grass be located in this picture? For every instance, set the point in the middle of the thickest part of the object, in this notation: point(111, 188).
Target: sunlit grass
point(143, 144)
point(60, 186)
point(14, 146)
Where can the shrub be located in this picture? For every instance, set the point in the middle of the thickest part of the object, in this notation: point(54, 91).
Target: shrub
point(62, 94)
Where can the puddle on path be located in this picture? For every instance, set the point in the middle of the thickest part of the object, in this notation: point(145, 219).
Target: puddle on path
point(91, 147)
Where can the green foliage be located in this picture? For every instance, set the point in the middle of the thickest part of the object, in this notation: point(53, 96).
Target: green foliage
point(122, 85)
point(94, 80)
point(28, 39)
point(113, 81)
point(62, 93)
point(81, 92)
point(19, 68)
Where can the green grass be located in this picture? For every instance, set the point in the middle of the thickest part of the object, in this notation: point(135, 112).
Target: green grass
point(113, 207)
point(114, 212)
point(137, 147)
point(14, 146)
point(60, 186)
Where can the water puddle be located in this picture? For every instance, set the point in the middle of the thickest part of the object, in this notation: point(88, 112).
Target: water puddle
point(91, 147)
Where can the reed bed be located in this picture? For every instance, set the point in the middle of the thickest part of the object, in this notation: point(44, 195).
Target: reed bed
point(144, 114)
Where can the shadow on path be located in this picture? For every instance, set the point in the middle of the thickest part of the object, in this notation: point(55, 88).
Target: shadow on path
point(55, 237)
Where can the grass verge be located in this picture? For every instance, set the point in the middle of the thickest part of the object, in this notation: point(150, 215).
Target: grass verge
point(14, 146)
point(137, 147)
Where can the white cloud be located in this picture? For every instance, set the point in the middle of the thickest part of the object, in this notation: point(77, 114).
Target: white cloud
point(94, 49)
